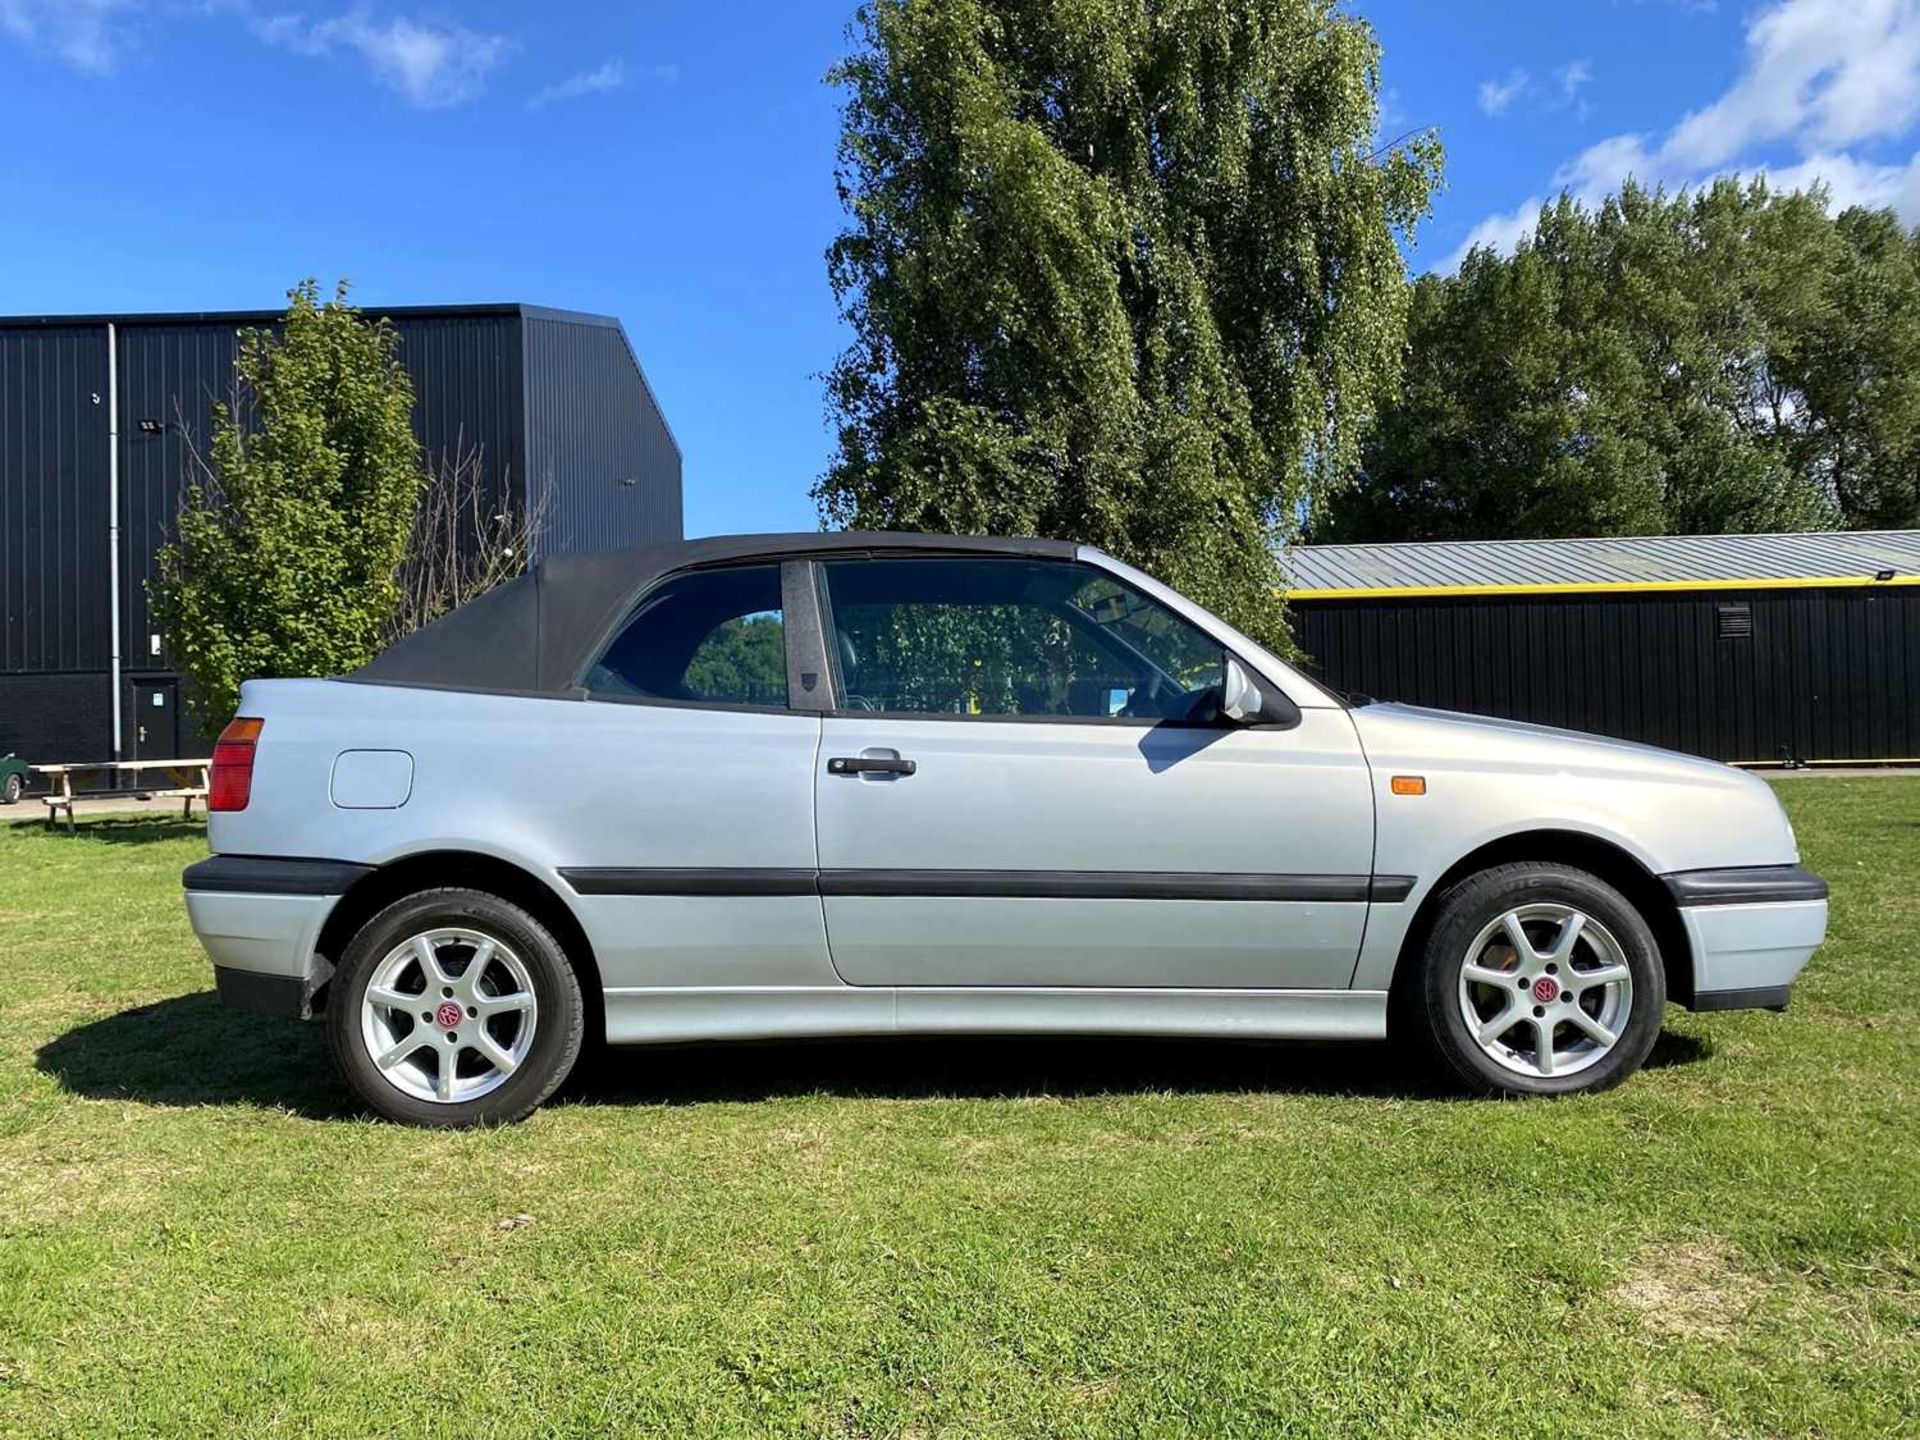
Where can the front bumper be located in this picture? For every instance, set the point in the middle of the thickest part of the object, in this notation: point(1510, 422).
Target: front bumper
point(1752, 930)
point(259, 920)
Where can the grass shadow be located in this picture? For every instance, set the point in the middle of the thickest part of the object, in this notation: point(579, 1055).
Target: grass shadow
point(121, 829)
point(991, 1067)
point(193, 1051)
point(1677, 1048)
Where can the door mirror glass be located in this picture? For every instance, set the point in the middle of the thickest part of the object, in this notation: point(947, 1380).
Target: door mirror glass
point(1241, 700)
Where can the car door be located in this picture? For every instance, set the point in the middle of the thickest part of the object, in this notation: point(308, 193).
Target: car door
point(1023, 783)
point(682, 792)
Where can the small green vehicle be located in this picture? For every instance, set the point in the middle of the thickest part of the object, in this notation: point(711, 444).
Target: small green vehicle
point(13, 779)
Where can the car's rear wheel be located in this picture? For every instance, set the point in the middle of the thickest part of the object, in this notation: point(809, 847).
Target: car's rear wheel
point(12, 788)
point(454, 1008)
point(1538, 979)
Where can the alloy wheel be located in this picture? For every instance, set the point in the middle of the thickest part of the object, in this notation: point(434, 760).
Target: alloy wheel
point(449, 1015)
point(1545, 991)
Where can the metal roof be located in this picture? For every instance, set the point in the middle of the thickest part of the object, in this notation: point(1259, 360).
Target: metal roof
point(1641, 562)
point(274, 317)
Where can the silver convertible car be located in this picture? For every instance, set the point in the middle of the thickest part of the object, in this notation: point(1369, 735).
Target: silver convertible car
point(865, 784)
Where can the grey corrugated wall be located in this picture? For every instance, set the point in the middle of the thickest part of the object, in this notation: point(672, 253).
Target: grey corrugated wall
point(598, 447)
point(53, 500)
point(466, 382)
point(475, 393)
point(1818, 674)
point(172, 374)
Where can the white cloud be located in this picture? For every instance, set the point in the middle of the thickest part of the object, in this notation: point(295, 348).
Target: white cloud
point(1496, 96)
point(1820, 76)
point(1598, 170)
point(1835, 71)
point(1572, 78)
point(432, 66)
point(611, 76)
point(1392, 113)
point(1853, 181)
point(89, 35)
point(1497, 232)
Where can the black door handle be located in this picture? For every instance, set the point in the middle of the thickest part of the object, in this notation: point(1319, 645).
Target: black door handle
point(869, 765)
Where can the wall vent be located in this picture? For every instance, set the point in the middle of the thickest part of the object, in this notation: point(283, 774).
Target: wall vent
point(1733, 621)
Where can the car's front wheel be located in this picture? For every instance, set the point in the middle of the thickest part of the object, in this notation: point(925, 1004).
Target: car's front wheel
point(454, 1008)
point(12, 788)
point(1538, 979)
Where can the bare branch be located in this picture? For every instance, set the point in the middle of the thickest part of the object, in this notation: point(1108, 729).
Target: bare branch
point(470, 534)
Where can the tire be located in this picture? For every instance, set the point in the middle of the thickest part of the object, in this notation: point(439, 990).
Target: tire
point(1612, 976)
point(12, 788)
point(522, 962)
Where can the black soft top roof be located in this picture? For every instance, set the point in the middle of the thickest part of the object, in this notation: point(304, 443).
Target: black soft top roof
point(536, 633)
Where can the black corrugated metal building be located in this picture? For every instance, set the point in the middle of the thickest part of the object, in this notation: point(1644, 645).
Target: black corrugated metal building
point(94, 409)
point(1755, 649)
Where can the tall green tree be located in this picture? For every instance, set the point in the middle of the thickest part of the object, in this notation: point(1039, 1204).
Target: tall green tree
point(1730, 360)
point(286, 546)
point(1118, 271)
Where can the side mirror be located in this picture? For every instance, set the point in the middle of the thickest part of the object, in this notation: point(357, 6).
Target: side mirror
point(1241, 701)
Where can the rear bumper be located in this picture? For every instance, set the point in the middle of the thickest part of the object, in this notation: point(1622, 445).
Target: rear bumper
point(1752, 931)
point(250, 990)
point(259, 921)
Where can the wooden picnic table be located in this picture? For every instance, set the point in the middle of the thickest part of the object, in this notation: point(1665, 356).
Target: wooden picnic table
point(188, 783)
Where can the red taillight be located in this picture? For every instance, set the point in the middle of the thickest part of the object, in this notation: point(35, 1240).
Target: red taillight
point(230, 781)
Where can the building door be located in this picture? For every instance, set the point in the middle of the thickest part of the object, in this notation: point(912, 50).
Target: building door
point(156, 720)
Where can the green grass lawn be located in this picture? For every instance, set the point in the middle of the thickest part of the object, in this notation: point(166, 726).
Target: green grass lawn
point(198, 1235)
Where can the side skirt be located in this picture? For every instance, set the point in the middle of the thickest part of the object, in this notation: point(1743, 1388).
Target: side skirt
point(658, 1016)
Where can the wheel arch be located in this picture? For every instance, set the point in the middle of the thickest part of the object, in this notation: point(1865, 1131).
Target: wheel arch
point(465, 869)
point(1612, 863)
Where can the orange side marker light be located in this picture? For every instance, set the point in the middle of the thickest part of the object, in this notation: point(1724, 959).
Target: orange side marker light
point(1408, 784)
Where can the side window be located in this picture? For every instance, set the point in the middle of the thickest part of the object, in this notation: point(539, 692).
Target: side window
point(714, 637)
point(1013, 637)
point(1174, 646)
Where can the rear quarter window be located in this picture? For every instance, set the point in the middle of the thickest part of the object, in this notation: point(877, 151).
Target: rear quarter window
point(713, 637)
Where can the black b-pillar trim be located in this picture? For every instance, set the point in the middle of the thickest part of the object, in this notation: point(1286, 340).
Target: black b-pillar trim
point(809, 680)
point(1745, 885)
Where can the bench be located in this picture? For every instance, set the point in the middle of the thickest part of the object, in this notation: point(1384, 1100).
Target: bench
point(188, 783)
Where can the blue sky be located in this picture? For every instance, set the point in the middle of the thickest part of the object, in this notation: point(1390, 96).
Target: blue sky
point(670, 162)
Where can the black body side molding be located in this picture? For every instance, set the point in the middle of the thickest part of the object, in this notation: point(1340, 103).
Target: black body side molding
point(1092, 885)
point(676, 880)
point(990, 884)
point(272, 875)
point(1745, 885)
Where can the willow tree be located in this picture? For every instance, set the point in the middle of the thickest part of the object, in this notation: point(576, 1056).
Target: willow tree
point(1118, 271)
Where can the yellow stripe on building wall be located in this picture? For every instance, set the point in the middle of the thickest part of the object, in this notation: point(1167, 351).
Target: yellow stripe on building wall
point(1605, 587)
